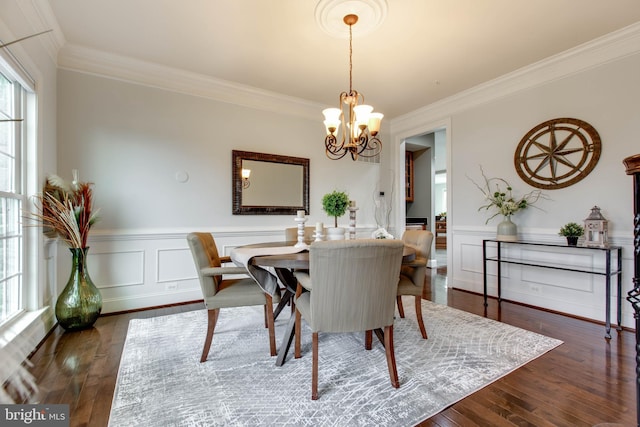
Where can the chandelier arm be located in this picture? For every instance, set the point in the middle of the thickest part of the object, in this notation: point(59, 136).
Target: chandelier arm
point(332, 147)
point(372, 148)
point(333, 152)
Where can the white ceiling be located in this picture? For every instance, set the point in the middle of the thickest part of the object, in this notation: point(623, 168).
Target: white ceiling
point(425, 50)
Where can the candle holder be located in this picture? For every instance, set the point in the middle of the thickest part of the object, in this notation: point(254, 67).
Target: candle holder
point(319, 233)
point(301, 243)
point(352, 221)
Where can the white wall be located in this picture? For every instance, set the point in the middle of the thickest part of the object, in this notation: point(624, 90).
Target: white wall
point(131, 140)
point(486, 125)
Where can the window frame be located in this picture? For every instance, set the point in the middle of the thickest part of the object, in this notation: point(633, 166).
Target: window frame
point(20, 145)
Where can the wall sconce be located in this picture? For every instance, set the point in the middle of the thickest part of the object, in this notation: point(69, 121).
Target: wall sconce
point(246, 173)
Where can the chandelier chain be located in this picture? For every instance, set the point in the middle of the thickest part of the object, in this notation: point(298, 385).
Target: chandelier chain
point(350, 60)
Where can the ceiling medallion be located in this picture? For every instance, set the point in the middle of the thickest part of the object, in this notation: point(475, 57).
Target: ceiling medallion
point(558, 153)
point(330, 13)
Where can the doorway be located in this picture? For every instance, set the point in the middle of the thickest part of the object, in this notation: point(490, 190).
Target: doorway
point(432, 190)
point(426, 201)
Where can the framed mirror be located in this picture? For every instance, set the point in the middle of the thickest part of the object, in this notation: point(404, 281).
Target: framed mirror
point(269, 184)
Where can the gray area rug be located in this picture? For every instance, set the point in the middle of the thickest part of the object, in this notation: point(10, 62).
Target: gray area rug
point(161, 382)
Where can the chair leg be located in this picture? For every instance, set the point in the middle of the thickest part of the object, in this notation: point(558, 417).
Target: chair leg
point(400, 308)
point(266, 319)
point(314, 367)
point(270, 324)
point(368, 337)
point(212, 318)
point(296, 333)
point(298, 323)
point(391, 357)
point(423, 331)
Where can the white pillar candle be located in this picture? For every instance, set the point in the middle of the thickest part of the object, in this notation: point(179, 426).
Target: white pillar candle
point(300, 214)
point(352, 203)
point(319, 227)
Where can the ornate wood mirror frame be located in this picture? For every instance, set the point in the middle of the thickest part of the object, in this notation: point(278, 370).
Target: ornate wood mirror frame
point(278, 185)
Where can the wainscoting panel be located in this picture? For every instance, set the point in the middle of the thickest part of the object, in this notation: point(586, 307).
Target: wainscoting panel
point(113, 269)
point(136, 270)
point(174, 265)
point(574, 293)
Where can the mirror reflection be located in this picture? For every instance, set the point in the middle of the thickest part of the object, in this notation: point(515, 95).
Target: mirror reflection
point(273, 184)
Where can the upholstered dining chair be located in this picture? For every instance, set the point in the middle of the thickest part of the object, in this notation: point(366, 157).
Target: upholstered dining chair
point(413, 276)
point(224, 293)
point(352, 286)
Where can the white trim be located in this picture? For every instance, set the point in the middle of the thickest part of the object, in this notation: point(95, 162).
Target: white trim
point(24, 333)
point(39, 15)
point(82, 59)
point(141, 302)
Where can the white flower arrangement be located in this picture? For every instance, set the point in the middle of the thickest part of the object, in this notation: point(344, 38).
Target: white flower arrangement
point(503, 200)
point(381, 233)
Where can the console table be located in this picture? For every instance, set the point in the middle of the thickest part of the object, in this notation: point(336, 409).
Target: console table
point(607, 271)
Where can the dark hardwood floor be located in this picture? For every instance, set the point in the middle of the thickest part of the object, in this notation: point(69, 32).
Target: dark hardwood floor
point(587, 381)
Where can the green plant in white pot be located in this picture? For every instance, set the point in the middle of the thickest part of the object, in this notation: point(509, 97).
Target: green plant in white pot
point(335, 204)
point(572, 231)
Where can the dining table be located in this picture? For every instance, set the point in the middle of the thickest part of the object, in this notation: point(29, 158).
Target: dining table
point(283, 264)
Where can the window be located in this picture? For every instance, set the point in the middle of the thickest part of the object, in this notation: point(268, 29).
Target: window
point(12, 196)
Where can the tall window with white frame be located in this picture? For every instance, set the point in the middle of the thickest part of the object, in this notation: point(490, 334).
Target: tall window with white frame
point(12, 196)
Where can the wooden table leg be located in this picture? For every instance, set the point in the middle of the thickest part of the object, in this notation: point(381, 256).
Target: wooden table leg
point(380, 334)
point(287, 338)
point(284, 300)
point(289, 280)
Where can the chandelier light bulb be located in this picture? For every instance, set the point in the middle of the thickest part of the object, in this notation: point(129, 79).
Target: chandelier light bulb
point(374, 122)
point(362, 113)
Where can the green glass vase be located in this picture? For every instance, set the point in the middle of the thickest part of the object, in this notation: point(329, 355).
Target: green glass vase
point(80, 302)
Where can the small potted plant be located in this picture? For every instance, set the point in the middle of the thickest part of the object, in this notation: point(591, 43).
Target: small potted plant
point(571, 231)
point(335, 204)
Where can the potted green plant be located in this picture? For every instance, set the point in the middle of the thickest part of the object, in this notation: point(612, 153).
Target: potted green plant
point(335, 204)
point(572, 231)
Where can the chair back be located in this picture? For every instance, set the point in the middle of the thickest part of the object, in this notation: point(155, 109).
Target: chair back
point(291, 234)
point(420, 240)
point(205, 254)
point(354, 284)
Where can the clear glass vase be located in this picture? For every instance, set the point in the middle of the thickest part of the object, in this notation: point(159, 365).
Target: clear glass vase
point(80, 302)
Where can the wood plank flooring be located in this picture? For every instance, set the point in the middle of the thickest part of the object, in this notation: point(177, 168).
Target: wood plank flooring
point(587, 381)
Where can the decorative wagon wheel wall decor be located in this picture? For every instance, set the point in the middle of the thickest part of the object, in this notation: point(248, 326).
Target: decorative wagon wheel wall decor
point(558, 153)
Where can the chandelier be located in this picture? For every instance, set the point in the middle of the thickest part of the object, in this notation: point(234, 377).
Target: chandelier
point(358, 135)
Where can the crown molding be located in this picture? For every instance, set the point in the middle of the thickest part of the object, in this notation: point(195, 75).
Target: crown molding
point(605, 49)
point(82, 59)
point(40, 17)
